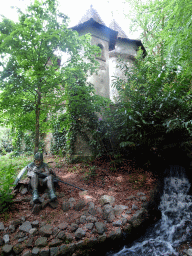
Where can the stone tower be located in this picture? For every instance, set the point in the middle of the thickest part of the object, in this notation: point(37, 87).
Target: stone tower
point(113, 43)
point(103, 37)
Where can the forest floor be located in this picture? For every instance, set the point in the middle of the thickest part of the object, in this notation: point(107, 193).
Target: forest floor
point(98, 178)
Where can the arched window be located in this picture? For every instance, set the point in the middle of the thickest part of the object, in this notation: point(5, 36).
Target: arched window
point(102, 55)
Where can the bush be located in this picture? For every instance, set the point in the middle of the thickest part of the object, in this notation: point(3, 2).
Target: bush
point(10, 166)
point(7, 174)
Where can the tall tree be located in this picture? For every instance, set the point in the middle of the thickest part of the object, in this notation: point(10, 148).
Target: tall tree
point(32, 77)
point(155, 95)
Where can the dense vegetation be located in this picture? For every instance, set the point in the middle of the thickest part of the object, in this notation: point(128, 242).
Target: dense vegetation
point(154, 107)
point(153, 111)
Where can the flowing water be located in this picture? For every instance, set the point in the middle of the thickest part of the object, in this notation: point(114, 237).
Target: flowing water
point(175, 225)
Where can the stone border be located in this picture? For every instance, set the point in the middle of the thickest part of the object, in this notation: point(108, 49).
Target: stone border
point(93, 246)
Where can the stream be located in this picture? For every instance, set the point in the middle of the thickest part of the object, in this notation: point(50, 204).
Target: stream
point(175, 225)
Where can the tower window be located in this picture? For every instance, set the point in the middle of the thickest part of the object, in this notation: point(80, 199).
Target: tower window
point(101, 55)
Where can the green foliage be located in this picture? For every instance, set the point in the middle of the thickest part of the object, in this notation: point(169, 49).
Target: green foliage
point(5, 141)
point(154, 107)
point(35, 84)
point(7, 178)
point(8, 172)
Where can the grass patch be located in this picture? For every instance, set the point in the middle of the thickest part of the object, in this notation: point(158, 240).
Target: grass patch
point(10, 167)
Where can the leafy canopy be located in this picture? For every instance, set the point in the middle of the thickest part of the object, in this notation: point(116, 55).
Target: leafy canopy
point(33, 74)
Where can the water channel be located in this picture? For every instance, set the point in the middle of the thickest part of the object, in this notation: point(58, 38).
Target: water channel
point(175, 225)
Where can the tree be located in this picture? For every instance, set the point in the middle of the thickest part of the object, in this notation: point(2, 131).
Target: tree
point(155, 97)
point(32, 78)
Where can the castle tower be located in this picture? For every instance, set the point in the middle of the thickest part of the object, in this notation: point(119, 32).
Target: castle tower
point(103, 37)
point(124, 48)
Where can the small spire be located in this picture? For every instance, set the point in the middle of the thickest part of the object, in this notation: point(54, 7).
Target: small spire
point(91, 13)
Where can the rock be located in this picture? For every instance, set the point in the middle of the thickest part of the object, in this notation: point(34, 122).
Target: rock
point(74, 227)
point(18, 248)
point(33, 231)
point(99, 210)
point(6, 239)
point(45, 203)
point(65, 206)
point(117, 223)
point(131, 197)
point(2, 226)
point(54, 251)
point(7, 248)
point(107, 200)
point(83, 219)
point(19, 235)
point(72, 202)
point(46, 230)
point(20, 240)
point(27, 253)
point(80, 205)
point(124, 221)
point(115, 234)
point(24, 191)
point(36, 208)
point(89, 226)
point(100, 227)
point(91, 209)
point(63, 249)
point(143, 198)
point(140, 194)
point(44, 252)
point(108, 213)
point(55, 231)
point(138, 214)
point(69, 238)
point(41, 242)
point(16, 222)
point(54, 204)
point(29, 243)
point(91, 219)
point(35, 251)
point(63, 225)
point(61, 235)
point(35, 224)
point(23, 218)
point(25, 227)
point(118, 209)
point(102, 238)
point(79, 233)
point(134, 207)
point(12, 228)
point(55, 242)
point(128, 212)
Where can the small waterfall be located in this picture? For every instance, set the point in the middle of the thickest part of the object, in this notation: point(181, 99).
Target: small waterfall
point(175, 224)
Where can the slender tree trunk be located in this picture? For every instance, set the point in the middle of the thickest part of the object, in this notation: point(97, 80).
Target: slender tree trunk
point(37, 113)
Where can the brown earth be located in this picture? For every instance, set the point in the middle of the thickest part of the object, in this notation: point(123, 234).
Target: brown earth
point(98, 178)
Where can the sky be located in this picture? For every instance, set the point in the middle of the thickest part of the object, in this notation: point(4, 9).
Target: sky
point(75, 9)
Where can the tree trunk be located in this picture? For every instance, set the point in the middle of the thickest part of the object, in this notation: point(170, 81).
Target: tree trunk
point(37, 113)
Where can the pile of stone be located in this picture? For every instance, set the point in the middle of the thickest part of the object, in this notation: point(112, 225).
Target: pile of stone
point(34, 238)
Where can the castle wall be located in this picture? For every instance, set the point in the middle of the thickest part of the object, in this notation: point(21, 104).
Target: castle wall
point(126, 50)
point(101, 79)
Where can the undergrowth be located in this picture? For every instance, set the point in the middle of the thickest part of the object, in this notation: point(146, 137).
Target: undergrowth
point(10, 166)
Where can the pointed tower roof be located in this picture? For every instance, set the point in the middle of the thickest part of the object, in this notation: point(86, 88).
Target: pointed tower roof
point(90, 20)
point(91, 13)
point(115, 26)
